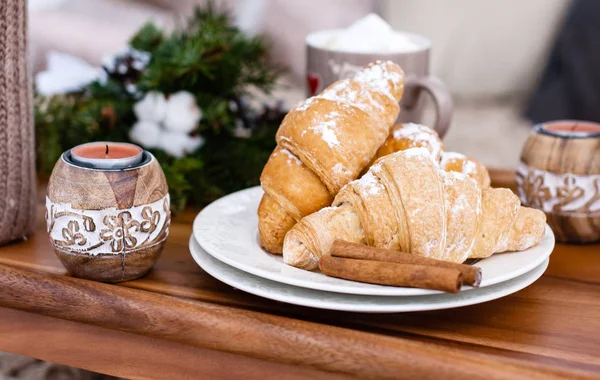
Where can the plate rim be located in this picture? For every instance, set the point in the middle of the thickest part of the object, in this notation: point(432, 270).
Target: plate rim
point(385, 291)
point(492, 292)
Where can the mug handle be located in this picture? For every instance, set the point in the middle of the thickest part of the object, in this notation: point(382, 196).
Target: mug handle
point(441, 97)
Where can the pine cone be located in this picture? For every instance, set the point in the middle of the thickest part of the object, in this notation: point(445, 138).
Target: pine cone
point(126, 67)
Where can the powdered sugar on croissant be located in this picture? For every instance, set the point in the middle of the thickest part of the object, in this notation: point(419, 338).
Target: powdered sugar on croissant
point(411, 135)
point(406, 202)
point(334, 136)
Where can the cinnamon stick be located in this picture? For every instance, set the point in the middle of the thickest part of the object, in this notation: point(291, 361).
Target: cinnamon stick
point(394, 274)
point(471, 274)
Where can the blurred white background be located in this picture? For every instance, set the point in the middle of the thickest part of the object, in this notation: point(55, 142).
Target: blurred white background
point(489, 53)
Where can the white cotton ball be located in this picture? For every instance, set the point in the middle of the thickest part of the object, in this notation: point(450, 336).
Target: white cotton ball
point(183, 114)
point(65, 73)
point(146, 133)
point(179, 144)
point(153, 107)
point(131, 88)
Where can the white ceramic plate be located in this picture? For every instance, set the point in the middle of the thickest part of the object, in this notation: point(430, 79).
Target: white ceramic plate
point(228, 230)
point(351, 302)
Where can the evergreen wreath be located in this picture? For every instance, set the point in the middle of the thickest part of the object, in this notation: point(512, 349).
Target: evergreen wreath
point(183, 96)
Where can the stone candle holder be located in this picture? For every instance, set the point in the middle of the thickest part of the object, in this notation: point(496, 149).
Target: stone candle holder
point(560, 175)
point(108, 225)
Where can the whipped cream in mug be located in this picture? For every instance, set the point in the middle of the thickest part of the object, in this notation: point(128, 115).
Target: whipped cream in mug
point(371, 34)
point(336, 54)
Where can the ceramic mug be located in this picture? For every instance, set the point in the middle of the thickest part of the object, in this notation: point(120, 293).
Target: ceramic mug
point(325, 66)
point(560, 175)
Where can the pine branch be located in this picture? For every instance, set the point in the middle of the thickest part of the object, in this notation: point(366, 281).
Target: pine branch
point(206, 56)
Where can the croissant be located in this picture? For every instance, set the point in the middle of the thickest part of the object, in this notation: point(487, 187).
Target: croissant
point(410, 135)
point(324, 143)
point(458, 162)
point(406, 202)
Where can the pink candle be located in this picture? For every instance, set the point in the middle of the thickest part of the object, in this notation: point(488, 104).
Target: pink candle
point(570, 128)
point(107, 155)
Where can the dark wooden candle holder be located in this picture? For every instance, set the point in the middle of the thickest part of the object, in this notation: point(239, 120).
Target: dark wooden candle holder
point(108, 225)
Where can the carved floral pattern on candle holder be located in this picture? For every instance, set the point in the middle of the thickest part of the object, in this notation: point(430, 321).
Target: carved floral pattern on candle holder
point(50, 215)
point(72, 235)
point(107, 231)
point(120, 231)
point(558, 193)
point(568, 193)
point(535, 191)
point(596, 198)
point(150, 219)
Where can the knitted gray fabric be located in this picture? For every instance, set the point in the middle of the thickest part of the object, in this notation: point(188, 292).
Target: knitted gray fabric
point(17, 154)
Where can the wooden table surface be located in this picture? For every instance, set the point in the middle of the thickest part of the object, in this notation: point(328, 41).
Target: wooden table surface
point(179, 322)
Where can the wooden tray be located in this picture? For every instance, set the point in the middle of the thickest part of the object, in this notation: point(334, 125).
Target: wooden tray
point(179, 322)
